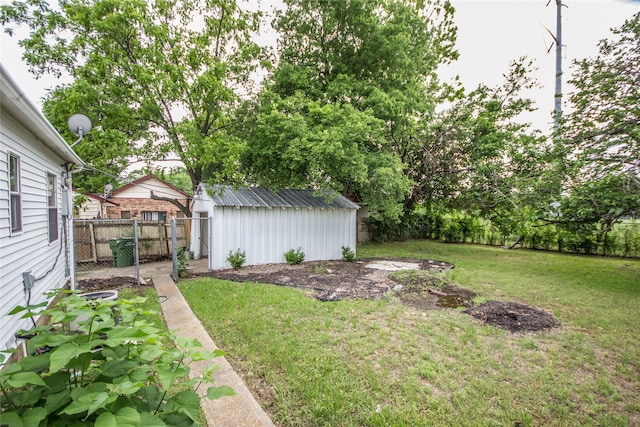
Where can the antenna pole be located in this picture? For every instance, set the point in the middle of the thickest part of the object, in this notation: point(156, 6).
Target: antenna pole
point(80, 135)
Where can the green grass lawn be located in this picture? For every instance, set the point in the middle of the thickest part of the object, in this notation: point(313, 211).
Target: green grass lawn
point(380, 363)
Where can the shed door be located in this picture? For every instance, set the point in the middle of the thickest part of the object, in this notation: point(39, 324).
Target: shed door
point(204, 235)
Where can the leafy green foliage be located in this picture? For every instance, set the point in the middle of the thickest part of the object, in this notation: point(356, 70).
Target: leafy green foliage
point(601, 135)
point(237, 258)
point(183, 264)
point(157, 79)
point(294, 256)
point(343, 107)
point(102, 363)
point(348, 254)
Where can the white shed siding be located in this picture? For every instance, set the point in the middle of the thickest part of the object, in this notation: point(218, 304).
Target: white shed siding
point(265, 234)
point(29, 249)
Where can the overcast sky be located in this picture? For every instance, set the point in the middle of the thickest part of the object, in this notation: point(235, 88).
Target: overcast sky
point(490, 35)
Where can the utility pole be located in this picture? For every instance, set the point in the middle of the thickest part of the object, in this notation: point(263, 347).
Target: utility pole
point(557, 110)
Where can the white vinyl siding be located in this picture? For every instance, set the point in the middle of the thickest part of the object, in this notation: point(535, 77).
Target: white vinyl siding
point(28, 250)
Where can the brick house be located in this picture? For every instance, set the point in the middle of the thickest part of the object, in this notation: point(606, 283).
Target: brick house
point(134, 201)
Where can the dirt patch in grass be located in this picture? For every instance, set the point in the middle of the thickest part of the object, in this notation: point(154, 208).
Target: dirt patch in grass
point(372, 279)
point(95, 285)
point(513, 316)
point(332, 280)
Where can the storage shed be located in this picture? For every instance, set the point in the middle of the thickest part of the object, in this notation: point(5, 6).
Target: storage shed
point(265, 224)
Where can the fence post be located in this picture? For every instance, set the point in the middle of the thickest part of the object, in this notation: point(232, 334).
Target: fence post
point(174, 248)
point(136, 254)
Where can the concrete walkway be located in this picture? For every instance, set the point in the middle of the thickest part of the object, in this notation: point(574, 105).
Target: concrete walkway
point(241, 410)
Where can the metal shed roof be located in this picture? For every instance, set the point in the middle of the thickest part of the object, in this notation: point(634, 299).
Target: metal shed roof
point(255, 197)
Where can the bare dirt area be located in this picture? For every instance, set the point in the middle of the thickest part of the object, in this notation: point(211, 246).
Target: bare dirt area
point(95, 285)
point(373, 279)
point(513, 316)
point(332, 280)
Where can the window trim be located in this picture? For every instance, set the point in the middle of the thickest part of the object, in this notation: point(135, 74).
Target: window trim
point(15, 215)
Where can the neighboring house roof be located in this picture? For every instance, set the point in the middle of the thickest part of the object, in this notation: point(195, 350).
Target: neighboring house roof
point(144, 179)
point(22, 109)
point(223, 195)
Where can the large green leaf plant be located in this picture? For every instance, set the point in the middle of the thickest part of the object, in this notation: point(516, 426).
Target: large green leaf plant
point(102, 363)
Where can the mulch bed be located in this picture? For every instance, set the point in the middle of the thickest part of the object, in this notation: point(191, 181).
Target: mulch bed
point(513, 316)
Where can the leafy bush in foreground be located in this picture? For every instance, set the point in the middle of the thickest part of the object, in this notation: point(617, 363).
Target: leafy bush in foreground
point(237, 258)
point(294, 256)
point(102, 363)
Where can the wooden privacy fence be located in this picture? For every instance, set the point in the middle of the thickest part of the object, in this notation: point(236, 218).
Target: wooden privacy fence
point(154, 238)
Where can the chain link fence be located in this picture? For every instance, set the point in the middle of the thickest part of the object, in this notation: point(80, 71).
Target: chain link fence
point(122, 243)
point(119, 243)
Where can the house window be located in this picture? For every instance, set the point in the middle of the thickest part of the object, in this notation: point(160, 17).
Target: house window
point(52, 206)
point(154, 216)
point(15, 193)
point(125, 214)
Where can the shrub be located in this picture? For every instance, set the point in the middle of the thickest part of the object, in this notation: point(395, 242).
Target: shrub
point(236, 258)
point(294, 256)
point(183, 265)
point(347, 254)
point(102, 363)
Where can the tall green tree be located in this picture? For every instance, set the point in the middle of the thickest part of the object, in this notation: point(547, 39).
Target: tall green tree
point(158, 78)
point(344, 105)
point(602, 133)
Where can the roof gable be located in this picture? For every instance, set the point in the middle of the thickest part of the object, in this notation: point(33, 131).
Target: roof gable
point(224, 195)
point(147, 184)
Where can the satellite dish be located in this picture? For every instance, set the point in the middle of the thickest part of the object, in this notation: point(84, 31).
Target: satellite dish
point(80, 125)
point(107, 191)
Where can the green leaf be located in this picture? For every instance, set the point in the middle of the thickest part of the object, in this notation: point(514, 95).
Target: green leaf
point(58, 381)
point(122, 335)
point(34, 416)
point(214, 393)
point(11, 369)
point(49, 339)
point(125, 417)
point(10, 418)
point(128, 416)
point(21, 308)
point(35, 363)
point(106, 419)
point(151, 354)
point(65, 353)
point(21, 379)
point(148, 419)
point(168, 375)
point(57, 400)
point(185, 342)
point(125, 387)
point(186, 402)
point(117, 368)
point(90, 403)
point(28, 397)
